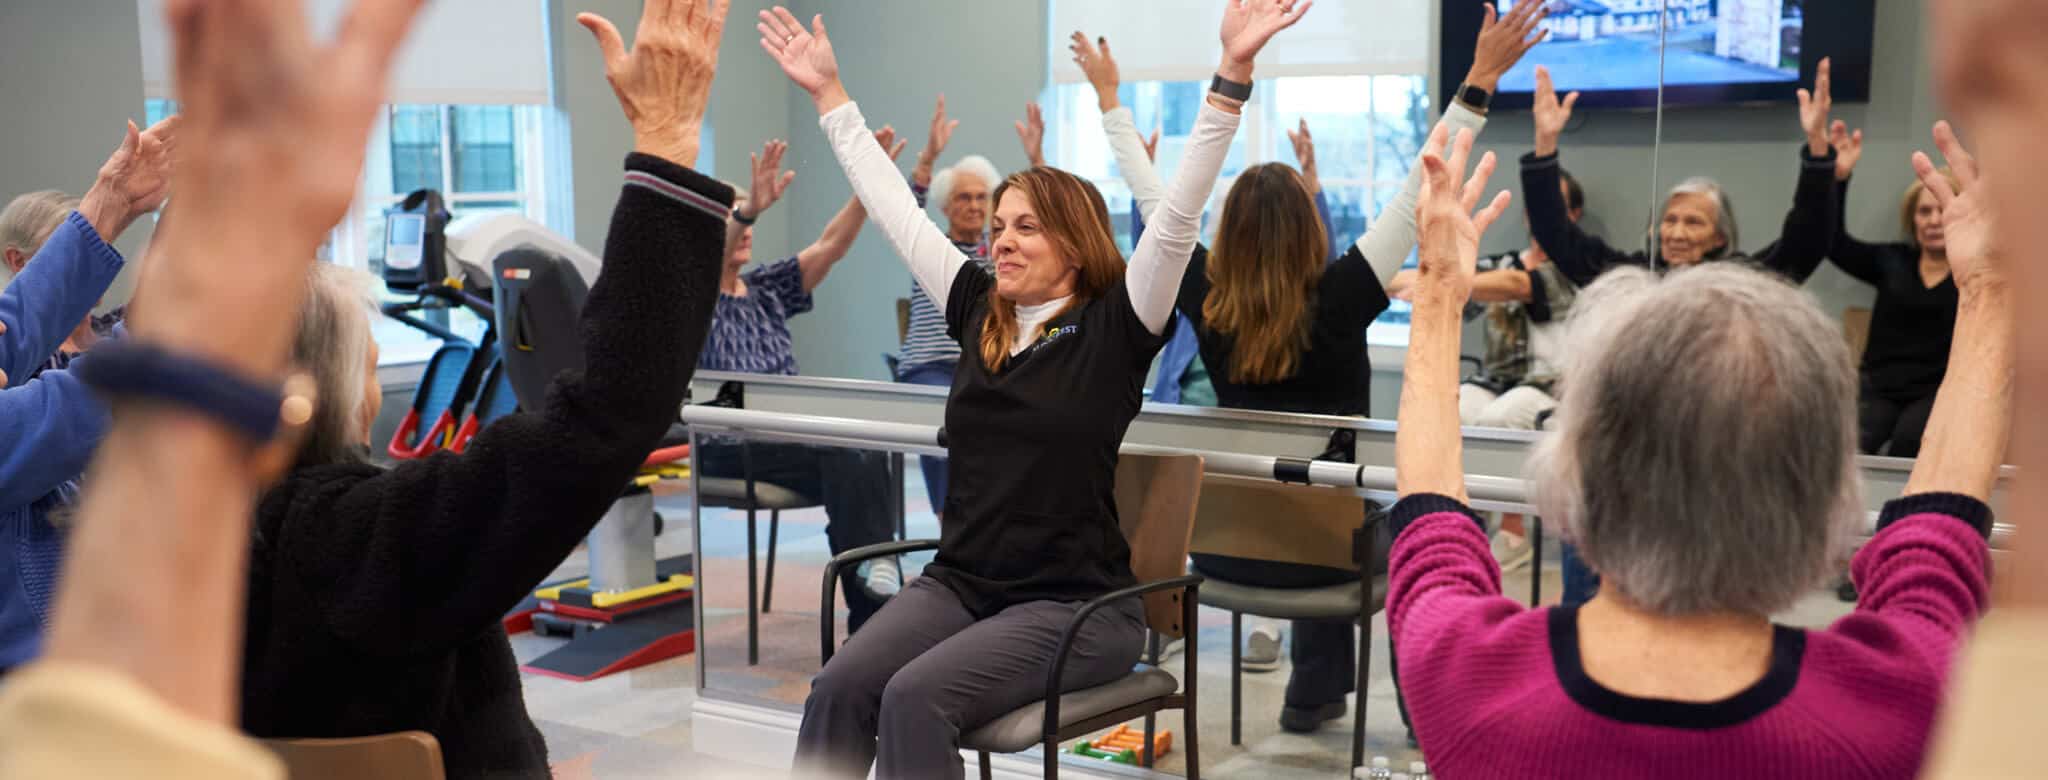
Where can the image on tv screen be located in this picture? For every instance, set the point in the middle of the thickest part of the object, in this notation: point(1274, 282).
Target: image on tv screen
point(1611, 45)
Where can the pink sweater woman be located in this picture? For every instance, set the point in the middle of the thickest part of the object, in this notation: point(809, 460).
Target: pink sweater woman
point(1710, 491)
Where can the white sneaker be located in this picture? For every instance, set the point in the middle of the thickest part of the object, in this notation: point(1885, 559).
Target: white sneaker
point(1512, 550)
point(885, 577)
point(1261, 649)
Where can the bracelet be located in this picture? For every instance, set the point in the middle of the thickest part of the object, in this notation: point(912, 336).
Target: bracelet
point(1237, 91)
point(128, 368)
point(742, 218)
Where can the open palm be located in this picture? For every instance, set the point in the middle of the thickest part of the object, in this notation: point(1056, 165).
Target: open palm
point(805, 55)
point(1966, 221)
point(1249, 24)
point(1448, 228)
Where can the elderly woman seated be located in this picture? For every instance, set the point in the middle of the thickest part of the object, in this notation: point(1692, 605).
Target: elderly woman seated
point(1705, 465)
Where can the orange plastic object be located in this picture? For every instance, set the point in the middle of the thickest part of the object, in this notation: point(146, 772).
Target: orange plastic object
point(1127, 738)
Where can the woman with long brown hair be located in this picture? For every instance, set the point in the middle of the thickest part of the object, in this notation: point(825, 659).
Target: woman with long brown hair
point(1055, 345)
point(1281, 328)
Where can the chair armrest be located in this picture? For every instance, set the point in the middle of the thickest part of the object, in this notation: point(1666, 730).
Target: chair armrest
point(827, 621)
point(1187, 582)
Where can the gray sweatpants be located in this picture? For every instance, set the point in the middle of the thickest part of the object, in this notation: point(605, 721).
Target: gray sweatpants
point(923, 670)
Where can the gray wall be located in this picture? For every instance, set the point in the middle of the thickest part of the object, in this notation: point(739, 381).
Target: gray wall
point(73, 78)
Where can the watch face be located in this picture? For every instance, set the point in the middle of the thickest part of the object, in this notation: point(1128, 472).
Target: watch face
point(1476, 96)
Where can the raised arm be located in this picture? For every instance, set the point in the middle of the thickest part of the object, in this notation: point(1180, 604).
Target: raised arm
point(1967, 431)
point(52, 425)
point(806, 57)
point(1857, 258)
point(1581, 256)
point(832, 245)
point(1810, 226)
point(1161, 257)
point(1428, 446)
point(935, 141)
point(1503, 40)
point(1133, 156)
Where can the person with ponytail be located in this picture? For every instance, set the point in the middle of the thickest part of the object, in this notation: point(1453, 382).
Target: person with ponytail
point(1282, 326)
point(1055, 346)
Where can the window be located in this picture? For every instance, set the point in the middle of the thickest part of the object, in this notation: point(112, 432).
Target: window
point(1368, 130)
point(482, 159)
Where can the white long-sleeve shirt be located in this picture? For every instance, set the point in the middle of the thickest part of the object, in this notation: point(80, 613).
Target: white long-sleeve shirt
point(1153, 275)
point(1385, 245)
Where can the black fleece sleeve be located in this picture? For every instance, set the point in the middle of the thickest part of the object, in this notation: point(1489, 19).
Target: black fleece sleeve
point(1811, 224)
point(431, 552)
point(1581, 256)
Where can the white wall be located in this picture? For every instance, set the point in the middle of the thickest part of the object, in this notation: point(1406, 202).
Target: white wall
point(73, 78)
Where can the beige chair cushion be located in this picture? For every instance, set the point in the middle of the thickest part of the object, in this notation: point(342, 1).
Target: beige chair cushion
point(732, 494)
point(1023, 727)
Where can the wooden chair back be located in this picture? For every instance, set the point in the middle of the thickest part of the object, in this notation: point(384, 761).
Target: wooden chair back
point(1156, 496)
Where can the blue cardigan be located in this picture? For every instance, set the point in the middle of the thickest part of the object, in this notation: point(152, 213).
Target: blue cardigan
point(49, 423)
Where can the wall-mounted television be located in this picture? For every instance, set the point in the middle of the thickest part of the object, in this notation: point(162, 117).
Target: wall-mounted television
point(1716, 52)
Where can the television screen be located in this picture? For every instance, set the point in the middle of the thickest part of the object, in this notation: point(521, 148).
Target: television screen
point(1712, 51)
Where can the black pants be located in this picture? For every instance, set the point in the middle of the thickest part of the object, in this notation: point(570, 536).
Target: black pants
point(1885, 418)
point(852, 484)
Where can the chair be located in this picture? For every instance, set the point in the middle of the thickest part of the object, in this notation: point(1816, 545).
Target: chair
point(1856, 328)
point(752, 496)
point(1322, 529)
point(404, 755)
point(1156, 496)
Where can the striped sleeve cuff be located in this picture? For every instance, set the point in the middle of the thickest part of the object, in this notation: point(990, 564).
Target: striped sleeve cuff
point(1971, 511)
point(1807, 158)
point(1420, 505)
point(679, 184)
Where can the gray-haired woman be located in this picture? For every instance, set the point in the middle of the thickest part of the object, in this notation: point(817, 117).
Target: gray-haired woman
point(1705, 464)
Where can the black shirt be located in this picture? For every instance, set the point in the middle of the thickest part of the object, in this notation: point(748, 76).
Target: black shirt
point(1030, 500)
point(1582, 257)
point(1911, 326)
point(1333, 376)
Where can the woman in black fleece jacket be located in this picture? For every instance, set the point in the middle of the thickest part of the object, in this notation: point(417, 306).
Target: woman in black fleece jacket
point(1698, 221)
point(375, 595)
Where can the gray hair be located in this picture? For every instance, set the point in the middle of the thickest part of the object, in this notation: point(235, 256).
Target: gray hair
point(29, 219)
point(972, 165)
point(1705, 454)
point(333, 344)
point(1724, 210)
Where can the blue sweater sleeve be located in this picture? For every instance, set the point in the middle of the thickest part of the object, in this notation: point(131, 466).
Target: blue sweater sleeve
point(51, 426)
point(52, 295)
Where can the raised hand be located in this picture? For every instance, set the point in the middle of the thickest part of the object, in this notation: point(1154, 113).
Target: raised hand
point(1503, 40)
point(1100, 67)
point(887, 138)
point(272, 139)
point(1248, 25)
point(1848, 149)
point(1816, 107)
point(1551, 114)
point(1966, 219)
point(1305, 154)
point(769, 180)
point(805, 55)
point(1448, 228)
point(134, 181)
point(664, 83)
point(1152, 145)
point(1031, 131)
point(941, 133)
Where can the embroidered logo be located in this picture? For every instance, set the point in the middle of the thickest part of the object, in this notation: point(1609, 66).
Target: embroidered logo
point(1056, 333)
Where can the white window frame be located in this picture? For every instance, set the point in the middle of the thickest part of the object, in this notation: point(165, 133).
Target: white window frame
point(349, 243)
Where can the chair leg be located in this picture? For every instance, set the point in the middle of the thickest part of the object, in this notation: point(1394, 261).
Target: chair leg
point(1535, 561)
point(1364, 675)
point(768, 584)
point(1150, 718)
point(753, 597)
point(986, 773)
point(1236, 678)
point(1052, 759)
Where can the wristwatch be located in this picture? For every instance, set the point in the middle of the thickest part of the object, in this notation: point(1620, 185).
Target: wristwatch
point(1231, 89)
point(1475, 97)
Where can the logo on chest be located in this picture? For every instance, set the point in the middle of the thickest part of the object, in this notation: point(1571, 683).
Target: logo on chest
point(1057, 333)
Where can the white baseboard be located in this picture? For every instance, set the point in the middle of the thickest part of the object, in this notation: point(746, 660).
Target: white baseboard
point(766, 737)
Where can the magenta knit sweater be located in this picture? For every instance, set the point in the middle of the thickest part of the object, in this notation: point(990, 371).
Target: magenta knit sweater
point(1495, 689)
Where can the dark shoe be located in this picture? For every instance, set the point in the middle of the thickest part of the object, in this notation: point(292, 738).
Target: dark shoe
point(1302, 720)
point(1846, 592)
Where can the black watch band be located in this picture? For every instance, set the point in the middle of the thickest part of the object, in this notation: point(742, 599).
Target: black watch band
point(743, 217)
point(1231, 89)
point(1475, 97)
